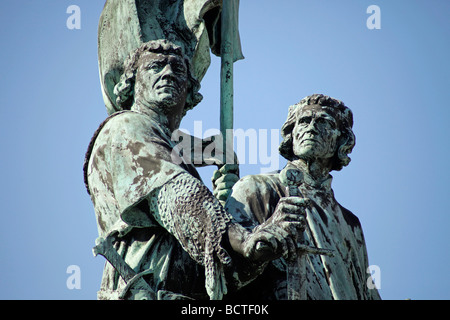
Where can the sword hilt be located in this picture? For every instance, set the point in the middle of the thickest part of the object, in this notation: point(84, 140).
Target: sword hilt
point(105, 248)
point(292, 178)
point(101, 246)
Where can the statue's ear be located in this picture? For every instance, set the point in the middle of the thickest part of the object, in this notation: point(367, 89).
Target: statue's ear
point(110, 80)
point(123, 91)
point(346, 142)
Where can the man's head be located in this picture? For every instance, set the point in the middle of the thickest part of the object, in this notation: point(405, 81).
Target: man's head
point(158, 75)
point(318, 127)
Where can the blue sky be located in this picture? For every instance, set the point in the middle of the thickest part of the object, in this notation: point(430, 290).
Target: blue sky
point(395, 79)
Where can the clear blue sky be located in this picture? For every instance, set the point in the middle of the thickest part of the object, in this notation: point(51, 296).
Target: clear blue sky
point(396, 80)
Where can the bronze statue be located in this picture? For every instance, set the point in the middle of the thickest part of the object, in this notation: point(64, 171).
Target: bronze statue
point(317, 138)
point(166, 226)
point(164, 234)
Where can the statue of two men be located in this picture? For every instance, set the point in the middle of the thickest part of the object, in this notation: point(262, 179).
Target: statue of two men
point(165, 223)
point(169, 237)
point(173, 232)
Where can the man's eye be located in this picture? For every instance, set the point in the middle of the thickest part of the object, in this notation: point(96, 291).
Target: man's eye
point(154, 66)
point(179, 68)
point(330, 122)
point(304, 120)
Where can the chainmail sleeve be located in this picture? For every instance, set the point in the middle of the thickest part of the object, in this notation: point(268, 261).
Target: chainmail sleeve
point(187, 209)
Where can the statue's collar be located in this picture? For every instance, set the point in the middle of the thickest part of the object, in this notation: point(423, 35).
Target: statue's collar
point(310, 182)
point(314, 184)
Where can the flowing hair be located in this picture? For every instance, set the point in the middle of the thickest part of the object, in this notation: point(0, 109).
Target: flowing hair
point(341, 113)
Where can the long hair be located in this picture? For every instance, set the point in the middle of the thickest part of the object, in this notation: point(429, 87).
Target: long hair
point(342, 114)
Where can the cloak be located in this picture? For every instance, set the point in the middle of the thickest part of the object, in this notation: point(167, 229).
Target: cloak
point(144, 197)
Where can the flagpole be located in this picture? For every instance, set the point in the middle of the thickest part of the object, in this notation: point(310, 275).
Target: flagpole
point(226, 82)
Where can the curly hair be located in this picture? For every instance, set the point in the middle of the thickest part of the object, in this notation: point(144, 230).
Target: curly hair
point(124, 89)
point(340, 112)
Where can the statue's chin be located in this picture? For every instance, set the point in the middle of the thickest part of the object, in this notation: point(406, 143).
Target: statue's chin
point(304, 153)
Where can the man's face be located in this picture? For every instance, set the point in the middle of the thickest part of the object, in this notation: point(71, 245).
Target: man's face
point(315, 133)
point(161, 80)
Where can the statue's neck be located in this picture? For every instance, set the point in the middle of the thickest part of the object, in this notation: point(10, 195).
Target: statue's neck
point(318, 170)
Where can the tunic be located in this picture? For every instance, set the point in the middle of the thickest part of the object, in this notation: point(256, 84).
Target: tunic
point(141, 194)
point(329, 226)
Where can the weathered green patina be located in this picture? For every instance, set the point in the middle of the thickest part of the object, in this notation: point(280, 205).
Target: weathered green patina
point(317, 138)
point(164, 234)
point(126, 24)
point(156, 212)
point(228, 51)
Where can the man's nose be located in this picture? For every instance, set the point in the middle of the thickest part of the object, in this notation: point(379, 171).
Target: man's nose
point(312, 126)
point(167, 71)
